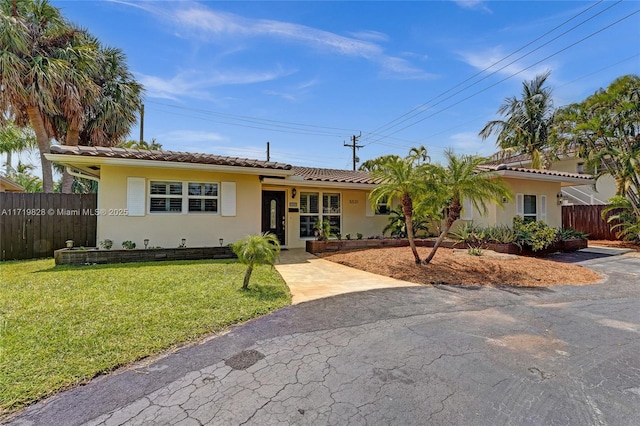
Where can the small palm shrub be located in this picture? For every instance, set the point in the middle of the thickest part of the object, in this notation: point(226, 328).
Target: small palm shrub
point(623, 219)
point(254, 250)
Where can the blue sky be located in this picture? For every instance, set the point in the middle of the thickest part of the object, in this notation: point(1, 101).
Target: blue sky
point(226, 77)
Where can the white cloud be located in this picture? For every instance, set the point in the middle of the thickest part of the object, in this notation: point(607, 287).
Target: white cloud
point(186, 137)
point(473, 4)
point(370, 35)
point(194, 84)
point(483, 59)
point(471, 143)
point(209, 25)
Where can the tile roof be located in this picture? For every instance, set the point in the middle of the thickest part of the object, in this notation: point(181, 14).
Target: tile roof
point(169, 156)
point(501, 167)
point(333, 175)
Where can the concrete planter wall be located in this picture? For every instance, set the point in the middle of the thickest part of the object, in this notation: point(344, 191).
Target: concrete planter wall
point(92, 255)
point(338, 245)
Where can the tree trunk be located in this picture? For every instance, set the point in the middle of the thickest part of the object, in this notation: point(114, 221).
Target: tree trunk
point(44, 144)
point(71, 139)
point(454, 214)
point(8, 165)
point(407, 209)
point(247, 276)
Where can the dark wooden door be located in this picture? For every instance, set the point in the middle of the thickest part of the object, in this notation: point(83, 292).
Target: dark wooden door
point(273, 213)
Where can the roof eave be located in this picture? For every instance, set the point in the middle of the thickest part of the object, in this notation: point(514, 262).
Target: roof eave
point(563, 180)
point(82, 162)
point(318, 184)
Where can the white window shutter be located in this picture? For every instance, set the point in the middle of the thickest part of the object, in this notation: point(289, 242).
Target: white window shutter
point(136, 196)
point(228, 198)
point(467, 209)
point(543, 208)
point(520, 205)
point(368, 210)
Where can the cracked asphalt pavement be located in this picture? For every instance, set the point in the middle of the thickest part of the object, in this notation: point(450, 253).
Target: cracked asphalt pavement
point(403, 356)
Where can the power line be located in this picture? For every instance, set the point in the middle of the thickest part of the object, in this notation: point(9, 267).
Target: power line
point(419, 107)
point(512, 75)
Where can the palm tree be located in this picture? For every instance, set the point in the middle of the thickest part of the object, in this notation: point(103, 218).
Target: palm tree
point(403, 179)
point(460, 180)
point(253, 250)
point(132, 143)
point(527, 123)
point(107, 117)
point(23, 177)
point(14, 139)
point(43, 60)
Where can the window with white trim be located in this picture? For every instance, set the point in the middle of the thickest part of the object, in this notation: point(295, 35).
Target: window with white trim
point(310, 212)
point(331, 211)
point(165, 197)
point(178, 197)
point(203, 197)
point(530, 208)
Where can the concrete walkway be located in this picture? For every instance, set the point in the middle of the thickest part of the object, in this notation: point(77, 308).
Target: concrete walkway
point(311, 278)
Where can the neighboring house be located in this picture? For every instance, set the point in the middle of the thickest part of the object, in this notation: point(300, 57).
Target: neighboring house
point(538, 195)
point(587, 194)
point(166, 196)
point(7, 185)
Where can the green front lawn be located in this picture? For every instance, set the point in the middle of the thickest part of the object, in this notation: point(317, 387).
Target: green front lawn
point(62, 325)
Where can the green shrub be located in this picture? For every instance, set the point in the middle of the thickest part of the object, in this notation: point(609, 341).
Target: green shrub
point(534, 235)
point(570, 234)
point(501, 234)
point(469, 233)
point(474, 251)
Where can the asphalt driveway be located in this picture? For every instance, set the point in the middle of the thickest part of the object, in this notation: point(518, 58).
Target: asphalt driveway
point(401, 356)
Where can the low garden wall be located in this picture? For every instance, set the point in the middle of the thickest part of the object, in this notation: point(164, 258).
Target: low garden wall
point(340, 245)
point(75, 256)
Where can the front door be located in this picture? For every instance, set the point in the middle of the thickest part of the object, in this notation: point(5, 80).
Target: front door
point(273, 213)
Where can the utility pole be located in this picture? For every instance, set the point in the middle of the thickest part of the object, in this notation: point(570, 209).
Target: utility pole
point(268, 152)
point(354, 146)
point(141, 123)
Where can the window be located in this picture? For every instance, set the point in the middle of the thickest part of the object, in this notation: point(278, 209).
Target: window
point(170, 197)
point(310, 212)
point(529, 212)
point(203, 197)
point(331, 210)
point(166, 197)
point(383, 207)
point(531, 207)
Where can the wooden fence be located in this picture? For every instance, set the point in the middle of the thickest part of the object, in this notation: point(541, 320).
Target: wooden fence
point(588, 219)
point(34, 225)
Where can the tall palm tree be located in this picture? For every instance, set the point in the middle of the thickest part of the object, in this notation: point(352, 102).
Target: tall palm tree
point(43, 60)
point(528, 122)
point(403, 179)
point(460, 179)
point(14, 139)
point(107, 117)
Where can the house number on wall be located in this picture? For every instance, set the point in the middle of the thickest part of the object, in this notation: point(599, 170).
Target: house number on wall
point(353, 201)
